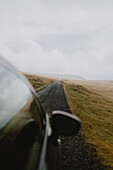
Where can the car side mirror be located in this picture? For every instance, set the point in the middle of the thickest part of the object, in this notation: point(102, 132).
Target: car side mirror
point(64, 123)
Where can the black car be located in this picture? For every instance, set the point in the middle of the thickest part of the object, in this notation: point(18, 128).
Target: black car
point(29, 138)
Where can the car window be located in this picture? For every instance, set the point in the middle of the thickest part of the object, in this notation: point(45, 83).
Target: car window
point(13, 95)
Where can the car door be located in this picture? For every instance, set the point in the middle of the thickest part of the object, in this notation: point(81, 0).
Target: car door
point(22, 123)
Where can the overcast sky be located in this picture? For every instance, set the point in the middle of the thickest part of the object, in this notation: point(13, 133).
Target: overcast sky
point(58, 36)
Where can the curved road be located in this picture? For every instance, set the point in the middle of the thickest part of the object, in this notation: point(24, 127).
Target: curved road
point(76, 154)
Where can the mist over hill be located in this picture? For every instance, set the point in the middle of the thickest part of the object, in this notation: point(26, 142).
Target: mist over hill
point(64, 76)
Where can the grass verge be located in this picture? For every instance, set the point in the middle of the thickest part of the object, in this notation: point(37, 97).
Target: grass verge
point(96, 113)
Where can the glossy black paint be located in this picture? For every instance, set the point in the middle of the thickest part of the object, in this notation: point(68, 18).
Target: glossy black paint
point(22, 121)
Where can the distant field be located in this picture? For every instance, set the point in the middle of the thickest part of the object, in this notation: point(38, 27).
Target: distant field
point(92, 101)
point(38, 81)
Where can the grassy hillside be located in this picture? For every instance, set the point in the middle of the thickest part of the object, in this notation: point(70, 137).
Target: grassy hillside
point(38, 81)
point(93, 102)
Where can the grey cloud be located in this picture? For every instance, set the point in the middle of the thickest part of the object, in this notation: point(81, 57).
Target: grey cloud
point(59, 36)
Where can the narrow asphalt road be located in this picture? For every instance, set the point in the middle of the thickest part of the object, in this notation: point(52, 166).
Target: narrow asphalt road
point(76, 154)
point(52, 97)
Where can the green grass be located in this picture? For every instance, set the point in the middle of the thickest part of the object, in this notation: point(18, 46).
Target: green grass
point(96, 113)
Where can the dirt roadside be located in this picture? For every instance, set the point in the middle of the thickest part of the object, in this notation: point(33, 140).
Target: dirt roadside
point(76, 154)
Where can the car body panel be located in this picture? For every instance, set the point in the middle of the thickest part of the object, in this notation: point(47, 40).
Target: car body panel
point(17, 110)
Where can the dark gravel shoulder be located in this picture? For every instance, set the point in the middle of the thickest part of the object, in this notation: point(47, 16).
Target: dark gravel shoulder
point(75, 153)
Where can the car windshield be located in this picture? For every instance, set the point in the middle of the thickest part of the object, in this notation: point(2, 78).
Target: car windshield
point(13, 95)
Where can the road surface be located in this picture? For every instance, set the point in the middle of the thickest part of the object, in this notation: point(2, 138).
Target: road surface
point(76, 154)
point(53, 98)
